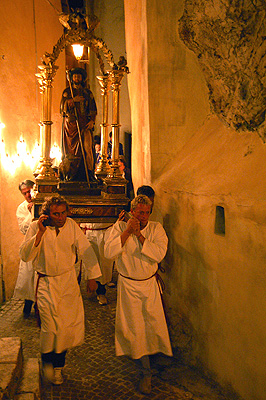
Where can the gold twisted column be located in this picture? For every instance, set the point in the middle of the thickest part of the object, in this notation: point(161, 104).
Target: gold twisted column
point(103, 167)
point(46, 181)
point(45, 78)
point(115, 184)
point(116, 78)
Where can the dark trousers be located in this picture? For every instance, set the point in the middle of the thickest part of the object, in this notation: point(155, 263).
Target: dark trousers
point(27, 306)
point(101, 288)
point(144, 364)
point(57, 359)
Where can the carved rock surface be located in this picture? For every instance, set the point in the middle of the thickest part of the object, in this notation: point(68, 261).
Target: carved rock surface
point(229, 39)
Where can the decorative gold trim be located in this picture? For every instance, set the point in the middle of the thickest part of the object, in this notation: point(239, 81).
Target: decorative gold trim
point(81, 211)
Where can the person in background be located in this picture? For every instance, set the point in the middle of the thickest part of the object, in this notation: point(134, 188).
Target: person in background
point(97, 148)
point(52, 244)
point(126, 173)
point(24, 288)
point(110, 146)
point(138, 245)
point(147, 191)
point(95, 233)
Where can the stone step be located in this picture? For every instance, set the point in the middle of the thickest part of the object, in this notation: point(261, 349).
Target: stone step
point(10, 366)
point(19, 380)
point(29, 387)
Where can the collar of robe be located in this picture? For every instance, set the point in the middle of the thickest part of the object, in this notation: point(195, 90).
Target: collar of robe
point(57, 230)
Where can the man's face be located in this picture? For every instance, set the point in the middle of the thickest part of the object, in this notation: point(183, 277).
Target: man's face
point(77, 79)
point(26, 191)
point(142, 212)
point(58, 215)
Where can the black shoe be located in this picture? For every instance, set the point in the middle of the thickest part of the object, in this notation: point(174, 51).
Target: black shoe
point(27, 308)
point(145, 384)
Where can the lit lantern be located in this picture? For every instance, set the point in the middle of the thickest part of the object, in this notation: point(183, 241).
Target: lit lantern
point(78, 50)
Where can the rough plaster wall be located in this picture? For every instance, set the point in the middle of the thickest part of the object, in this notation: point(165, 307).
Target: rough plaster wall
point(20, 104)
point(215, 283)
point(177, 102)
point(228, 38)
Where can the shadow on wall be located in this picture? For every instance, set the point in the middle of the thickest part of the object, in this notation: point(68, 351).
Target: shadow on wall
point(191, 287)
point(180, 329)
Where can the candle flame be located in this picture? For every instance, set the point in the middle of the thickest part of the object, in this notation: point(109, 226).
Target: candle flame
point(11, 163)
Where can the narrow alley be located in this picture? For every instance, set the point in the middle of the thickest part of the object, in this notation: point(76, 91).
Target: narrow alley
point(93, 371)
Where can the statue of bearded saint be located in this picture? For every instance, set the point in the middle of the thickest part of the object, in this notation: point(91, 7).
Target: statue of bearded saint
point(77, 136)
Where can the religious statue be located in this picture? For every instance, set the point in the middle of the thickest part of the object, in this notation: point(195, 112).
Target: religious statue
point(79, 111)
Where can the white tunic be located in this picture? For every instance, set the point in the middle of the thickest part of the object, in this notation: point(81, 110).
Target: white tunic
point(24, 288)
point(95, 233)
point(58, 295)
point(140, 321)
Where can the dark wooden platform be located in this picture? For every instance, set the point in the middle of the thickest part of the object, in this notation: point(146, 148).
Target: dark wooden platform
point(94, 203)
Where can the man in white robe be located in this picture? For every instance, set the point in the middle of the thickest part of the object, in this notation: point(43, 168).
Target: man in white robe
point(24, 288)
point(52, 250)
point(138, 245)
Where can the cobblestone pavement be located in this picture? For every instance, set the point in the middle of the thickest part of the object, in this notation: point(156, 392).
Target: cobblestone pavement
point(92, 370)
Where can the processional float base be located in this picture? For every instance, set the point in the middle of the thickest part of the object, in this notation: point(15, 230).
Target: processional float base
point(86, 203)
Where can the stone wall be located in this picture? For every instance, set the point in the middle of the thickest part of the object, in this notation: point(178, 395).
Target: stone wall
point(228, 39)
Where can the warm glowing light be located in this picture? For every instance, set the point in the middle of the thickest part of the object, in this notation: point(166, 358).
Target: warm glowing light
point(21, 147)
point(36, 152)
point(2, 126)
point(56, 154)
point(23, 156)
point(78, 50)
point(2, 148)
point(2, 143)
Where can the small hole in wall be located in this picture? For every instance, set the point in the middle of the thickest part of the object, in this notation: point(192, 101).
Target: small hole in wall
point(219, 228)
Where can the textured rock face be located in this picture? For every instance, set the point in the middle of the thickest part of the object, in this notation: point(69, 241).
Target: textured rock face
point(229, 39)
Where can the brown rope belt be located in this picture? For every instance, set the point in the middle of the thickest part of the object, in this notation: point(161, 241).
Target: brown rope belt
point(133, 279)
point(159, 280)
